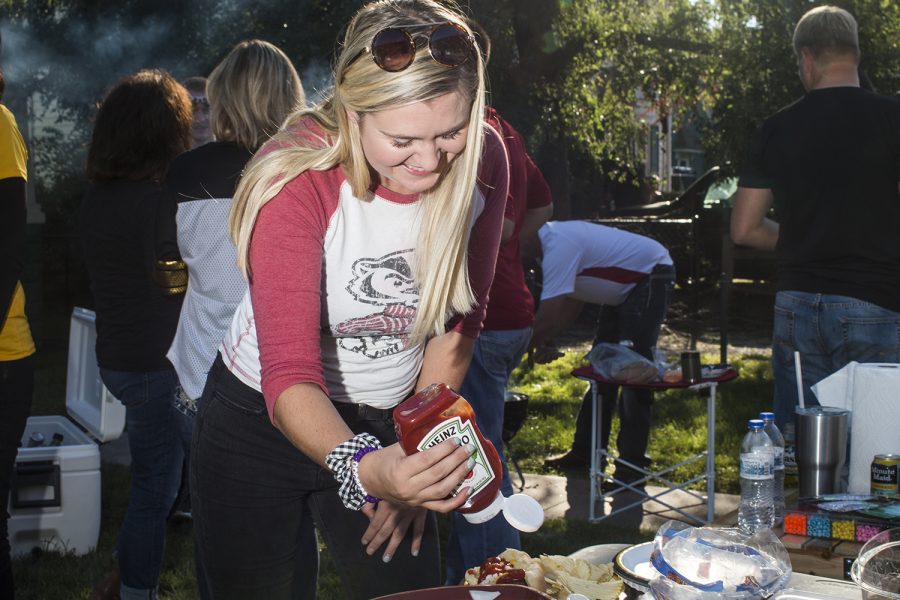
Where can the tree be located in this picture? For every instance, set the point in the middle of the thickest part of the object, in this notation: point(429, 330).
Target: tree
point(567, 73)
point(758, 72)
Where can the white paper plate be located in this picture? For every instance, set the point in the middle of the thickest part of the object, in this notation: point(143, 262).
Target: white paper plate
point(600, 554)
point(633, 566)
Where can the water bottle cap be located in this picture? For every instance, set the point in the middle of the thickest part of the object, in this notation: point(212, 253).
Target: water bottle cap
point(767, 416)
point(755, 424)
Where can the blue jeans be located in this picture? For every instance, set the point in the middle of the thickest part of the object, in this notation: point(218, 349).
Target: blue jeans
point(829, 331)
point(496, 355)
point(638, 318)
point(155, 432)
point(257, 502)
point(16, 387)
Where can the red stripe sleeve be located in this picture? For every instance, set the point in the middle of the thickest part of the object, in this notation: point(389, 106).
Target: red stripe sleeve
point(286, 262)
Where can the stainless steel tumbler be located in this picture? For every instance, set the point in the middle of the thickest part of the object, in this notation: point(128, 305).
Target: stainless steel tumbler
point(821, 448)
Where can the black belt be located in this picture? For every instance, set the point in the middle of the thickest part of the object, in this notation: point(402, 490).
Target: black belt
point(362, 412)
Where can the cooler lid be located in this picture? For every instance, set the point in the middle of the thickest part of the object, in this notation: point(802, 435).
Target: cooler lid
point(88, 401)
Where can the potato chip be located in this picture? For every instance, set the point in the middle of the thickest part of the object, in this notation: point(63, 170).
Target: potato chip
point(608, 590)
point(560, 576)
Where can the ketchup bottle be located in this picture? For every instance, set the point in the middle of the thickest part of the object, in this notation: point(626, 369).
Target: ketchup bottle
point(437, 413)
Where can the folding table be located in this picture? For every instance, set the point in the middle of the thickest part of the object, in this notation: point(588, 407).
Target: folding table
point(662, 475)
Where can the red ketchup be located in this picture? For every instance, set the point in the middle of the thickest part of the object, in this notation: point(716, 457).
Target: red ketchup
point(437, 413)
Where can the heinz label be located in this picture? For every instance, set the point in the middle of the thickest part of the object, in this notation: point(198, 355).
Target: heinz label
point(454, 427)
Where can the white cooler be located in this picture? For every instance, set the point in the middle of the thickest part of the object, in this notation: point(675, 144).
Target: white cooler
point(55, 494)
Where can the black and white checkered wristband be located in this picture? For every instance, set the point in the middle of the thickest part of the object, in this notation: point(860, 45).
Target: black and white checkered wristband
point(343, 462)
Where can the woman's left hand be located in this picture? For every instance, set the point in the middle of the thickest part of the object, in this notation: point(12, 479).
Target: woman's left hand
point(389, 522)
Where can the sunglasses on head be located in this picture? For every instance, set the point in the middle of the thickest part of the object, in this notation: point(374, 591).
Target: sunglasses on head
point(199, 101)
point(393, 49)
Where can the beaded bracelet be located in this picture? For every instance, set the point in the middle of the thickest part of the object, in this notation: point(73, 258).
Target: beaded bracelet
point(344, 461)
point(355, 468)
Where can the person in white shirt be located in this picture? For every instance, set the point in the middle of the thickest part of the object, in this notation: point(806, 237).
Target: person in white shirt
point(632, 277)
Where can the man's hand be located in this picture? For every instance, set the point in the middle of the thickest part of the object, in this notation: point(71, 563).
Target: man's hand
point(545, 354)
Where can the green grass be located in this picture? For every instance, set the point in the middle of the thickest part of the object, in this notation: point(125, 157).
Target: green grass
point(554, 399)
point(679, 417)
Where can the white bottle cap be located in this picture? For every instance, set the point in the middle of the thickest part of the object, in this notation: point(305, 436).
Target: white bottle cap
point(521, 511)
point(524, 512)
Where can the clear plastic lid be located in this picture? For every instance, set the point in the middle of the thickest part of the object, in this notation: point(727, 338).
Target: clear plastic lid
point(877, 568)
point(521, 511)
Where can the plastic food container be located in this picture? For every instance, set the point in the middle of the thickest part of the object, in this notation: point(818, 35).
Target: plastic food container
point(877, 568)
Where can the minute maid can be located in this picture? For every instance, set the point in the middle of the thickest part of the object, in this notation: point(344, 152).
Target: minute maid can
point(885, 469)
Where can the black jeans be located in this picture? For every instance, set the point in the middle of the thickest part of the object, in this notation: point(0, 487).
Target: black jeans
point(258, 501)
point(16, 389)
point(639, 319)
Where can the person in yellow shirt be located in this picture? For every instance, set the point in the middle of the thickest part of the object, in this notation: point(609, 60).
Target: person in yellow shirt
point(16, 344)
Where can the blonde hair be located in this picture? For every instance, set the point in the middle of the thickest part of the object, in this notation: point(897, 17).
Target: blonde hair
point(251, 92)
point(441, 270)
point(827, 30)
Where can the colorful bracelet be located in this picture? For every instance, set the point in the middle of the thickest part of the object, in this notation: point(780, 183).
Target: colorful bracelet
point(344, 462)
point(355, 468)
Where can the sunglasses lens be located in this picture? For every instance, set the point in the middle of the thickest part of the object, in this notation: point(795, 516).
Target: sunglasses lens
point(450, 45)
point(393, 50)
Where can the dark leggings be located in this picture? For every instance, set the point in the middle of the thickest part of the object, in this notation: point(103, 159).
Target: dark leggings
point(258, 502)
point(16, 388)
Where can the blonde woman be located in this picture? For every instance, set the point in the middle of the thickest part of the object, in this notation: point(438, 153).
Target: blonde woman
point(368, 230)
point(252, 91)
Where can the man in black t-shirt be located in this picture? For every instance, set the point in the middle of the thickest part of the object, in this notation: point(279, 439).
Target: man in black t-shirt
point(830, 165)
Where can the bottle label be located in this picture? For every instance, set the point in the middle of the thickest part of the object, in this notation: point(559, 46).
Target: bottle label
point(790, 460)
point(779, 458)
point(482, 473)
point(759, 464)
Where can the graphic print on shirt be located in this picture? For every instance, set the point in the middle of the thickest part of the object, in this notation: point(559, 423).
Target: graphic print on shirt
point(386, 282)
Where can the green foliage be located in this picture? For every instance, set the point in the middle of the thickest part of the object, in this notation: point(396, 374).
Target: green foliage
point(630, 54)
point(574, 76)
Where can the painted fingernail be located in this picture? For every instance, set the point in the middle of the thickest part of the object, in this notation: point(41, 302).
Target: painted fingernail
point(415, 552)
point(470, 463)
point(470, 448)
point(456, 441)
point(386, 558)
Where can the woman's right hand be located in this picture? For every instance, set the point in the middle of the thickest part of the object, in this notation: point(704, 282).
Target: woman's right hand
point(423, 479)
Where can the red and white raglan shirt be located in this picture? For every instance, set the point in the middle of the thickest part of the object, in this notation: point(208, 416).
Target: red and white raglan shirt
point(595, 263)
point(332, 298)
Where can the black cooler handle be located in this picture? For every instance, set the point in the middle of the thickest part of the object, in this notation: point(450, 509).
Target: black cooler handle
point(41, 473)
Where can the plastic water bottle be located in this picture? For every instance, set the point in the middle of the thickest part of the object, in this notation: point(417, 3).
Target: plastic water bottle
point(774, 434)
point(757, 478)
